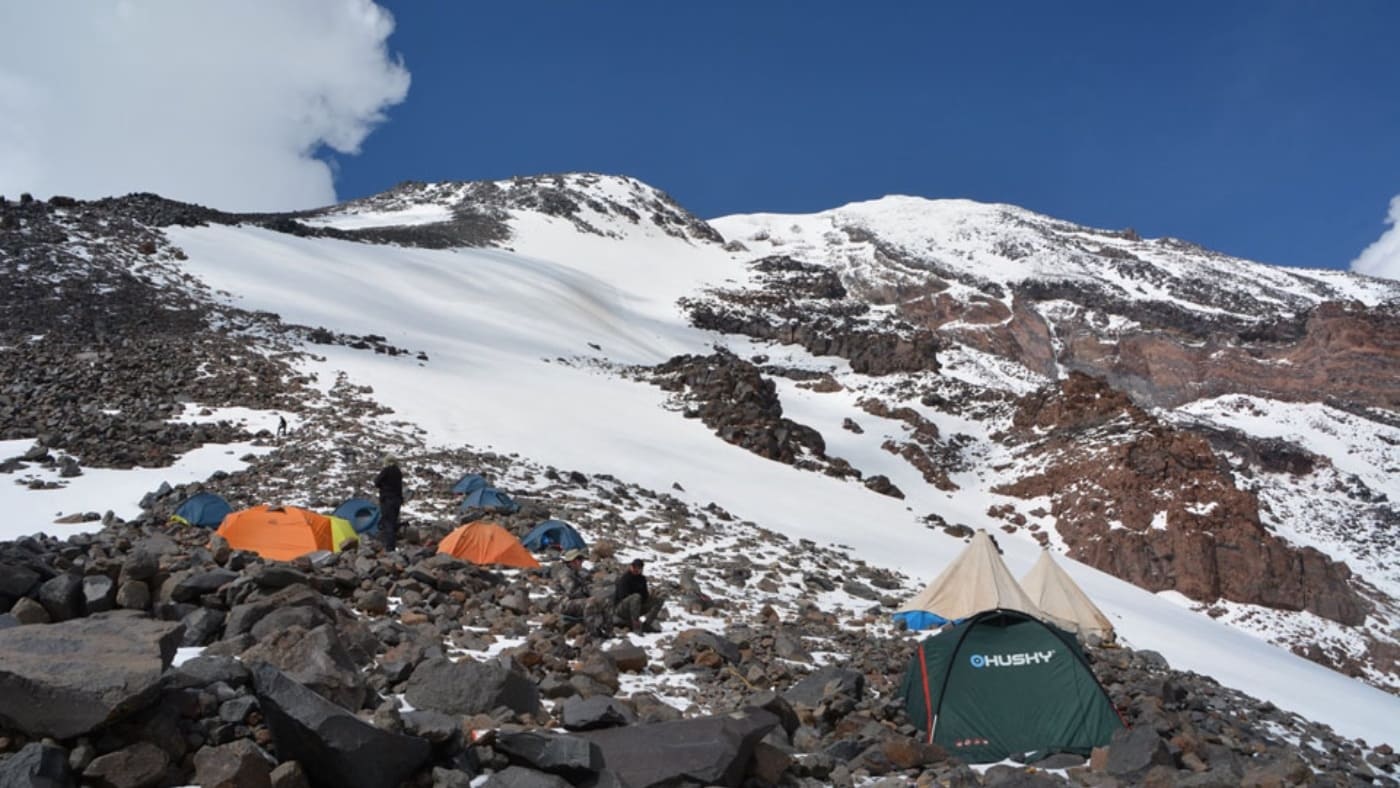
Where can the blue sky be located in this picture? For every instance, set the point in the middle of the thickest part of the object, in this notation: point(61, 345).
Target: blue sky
point(1264, 128)
point(1269, 130)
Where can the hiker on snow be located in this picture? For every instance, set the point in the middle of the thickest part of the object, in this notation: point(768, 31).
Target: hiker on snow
point(390, 485)
point(572, 584)
point(633, 605)
point(281, 427)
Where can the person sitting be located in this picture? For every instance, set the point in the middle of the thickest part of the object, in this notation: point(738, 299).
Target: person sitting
point(576, 604)
point(634, 606)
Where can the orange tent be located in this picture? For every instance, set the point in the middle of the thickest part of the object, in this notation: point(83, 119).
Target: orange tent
point(280, 533)
point(487, 543)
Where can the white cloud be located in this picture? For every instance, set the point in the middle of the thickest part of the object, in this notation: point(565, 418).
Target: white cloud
point(1382, 258)
point(222, 103)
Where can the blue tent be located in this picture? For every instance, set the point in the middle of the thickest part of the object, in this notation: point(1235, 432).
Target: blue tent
point(362, 514)
point(205, 510)
point(491, 499)
point(553, 533)
point(918, 620)
point(469, 484)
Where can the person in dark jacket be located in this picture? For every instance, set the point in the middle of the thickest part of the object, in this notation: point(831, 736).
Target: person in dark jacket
point(634, 606)
point(390, 485)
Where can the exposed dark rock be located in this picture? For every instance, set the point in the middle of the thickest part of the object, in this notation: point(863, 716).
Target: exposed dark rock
point(334, 747)
point(570, 756)
point(586, 714)
point(665, 753)
point(238, 764)
point(314, 659)
point(62, 597)
point(140, 765)
point(37, 765)
point(825, 683)
point(53, 684)
point(469, 687)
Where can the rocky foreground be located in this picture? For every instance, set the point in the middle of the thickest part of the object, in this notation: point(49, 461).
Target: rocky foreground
point(364, 668)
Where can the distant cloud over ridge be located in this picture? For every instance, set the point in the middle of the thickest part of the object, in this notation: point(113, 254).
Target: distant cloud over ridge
point(224, 103)
point(1382, 258)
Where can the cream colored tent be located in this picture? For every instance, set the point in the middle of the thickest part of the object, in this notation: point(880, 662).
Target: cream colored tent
point(1051, 587)
point(977, 580)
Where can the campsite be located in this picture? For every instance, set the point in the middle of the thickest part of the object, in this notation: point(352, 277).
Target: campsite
point(699, 395)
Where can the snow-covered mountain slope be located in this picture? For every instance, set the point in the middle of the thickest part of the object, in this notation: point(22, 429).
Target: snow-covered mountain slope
point(541, 344)
point(898, 239)
point(511, 338)
point(1175, 327)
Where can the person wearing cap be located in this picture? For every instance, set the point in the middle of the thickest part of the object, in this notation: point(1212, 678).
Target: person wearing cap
point(634, 606)
point(572, 584)
point(389, 482)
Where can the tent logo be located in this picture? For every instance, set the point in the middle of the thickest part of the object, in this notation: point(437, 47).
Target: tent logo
point(1011, 660)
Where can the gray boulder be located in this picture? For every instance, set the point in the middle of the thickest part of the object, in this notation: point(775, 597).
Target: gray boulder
point(63, 680)
point(1133, 751)
point(586, 714)
point(238, 764)
point(62, 597)
point(704, 639)
point(708, 750)
point(333, 746)
point(37, 766)
point(27, 611)
point(825, 683)
point(205, 670)
point(468, 687)
point(99, 593)
point(16, 581)
point(138, 766)
point(202, 626)
point(316, 659)
point(191, 587)
point(557, 753)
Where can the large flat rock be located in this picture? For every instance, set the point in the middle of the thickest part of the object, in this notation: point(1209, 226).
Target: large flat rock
point(707, 750)
point(64, 680)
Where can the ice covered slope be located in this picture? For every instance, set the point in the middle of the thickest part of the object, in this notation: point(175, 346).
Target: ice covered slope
point(524, 350)
point(991, 249)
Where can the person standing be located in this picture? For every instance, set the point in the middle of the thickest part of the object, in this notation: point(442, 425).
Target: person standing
point(390, 485)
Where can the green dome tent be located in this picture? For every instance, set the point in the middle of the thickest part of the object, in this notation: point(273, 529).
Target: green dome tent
point(1004, 684)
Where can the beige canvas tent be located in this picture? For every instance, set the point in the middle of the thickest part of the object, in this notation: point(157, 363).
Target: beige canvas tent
point(977, 580)
point(1055, 592)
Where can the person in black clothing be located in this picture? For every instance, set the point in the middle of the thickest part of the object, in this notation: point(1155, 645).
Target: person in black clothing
point(281, 427)
point(390, 485)
point(634, 606)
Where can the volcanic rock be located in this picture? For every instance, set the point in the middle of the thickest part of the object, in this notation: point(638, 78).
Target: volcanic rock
point(334, 746)
point(66, 679)
point(665, 752)
point(140, 765)
point(238, 764)
point(315, 659)
point(586, 714)
point(469, 687)
point(37, 765)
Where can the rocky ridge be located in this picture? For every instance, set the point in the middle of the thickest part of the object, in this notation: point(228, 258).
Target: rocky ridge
point(327, 645)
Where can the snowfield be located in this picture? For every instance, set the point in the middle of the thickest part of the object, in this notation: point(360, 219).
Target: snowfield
point(524, 349)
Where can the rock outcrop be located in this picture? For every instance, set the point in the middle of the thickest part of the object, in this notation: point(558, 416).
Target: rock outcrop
point(1154, 506)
